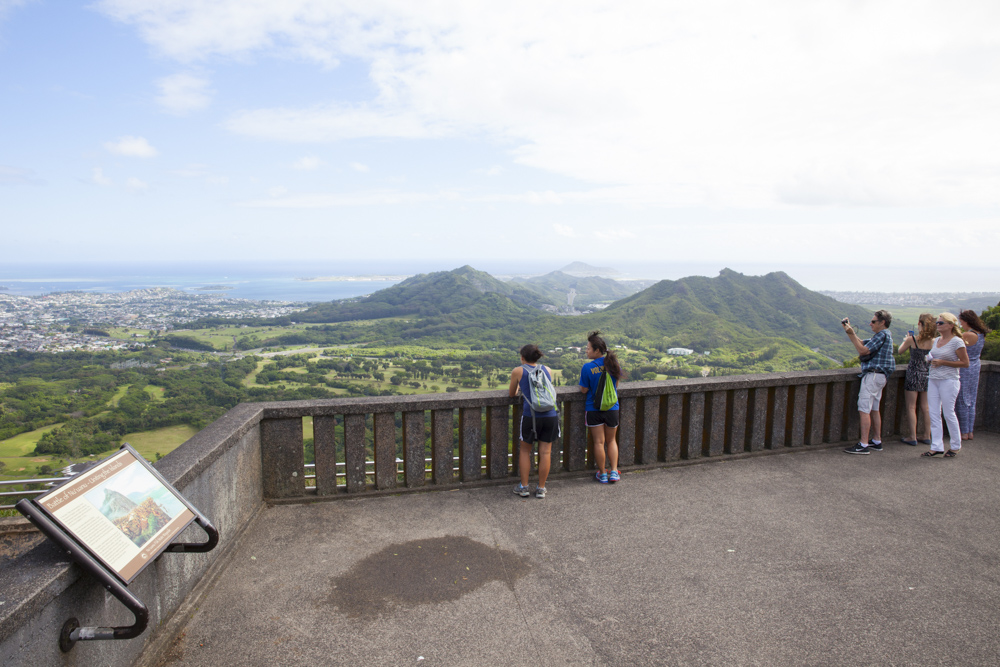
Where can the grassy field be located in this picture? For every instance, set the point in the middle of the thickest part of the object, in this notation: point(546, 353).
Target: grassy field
point(23, 444)
point(162, 440)
point(155, 392)
point(15, 452)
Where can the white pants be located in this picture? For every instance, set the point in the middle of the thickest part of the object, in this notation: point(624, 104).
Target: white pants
point(941, 395)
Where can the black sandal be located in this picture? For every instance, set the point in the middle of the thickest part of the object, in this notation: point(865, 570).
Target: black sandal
point(931, 453)
point(950, 454)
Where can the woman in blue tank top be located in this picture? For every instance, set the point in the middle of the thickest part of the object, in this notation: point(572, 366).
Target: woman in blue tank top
point(603, 425)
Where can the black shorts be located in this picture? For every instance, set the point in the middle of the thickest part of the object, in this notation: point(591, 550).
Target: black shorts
point(548, 428)
point(608, 418)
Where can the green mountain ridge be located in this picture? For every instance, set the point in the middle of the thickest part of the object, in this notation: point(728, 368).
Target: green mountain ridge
point(704, 313)
point(731, 313)
point(555, 287)
point(426, 295)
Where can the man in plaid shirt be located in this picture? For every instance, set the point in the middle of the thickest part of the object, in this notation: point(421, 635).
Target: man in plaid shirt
point(877, 364)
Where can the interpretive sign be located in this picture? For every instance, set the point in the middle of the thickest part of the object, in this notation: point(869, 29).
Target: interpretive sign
point(121, 511)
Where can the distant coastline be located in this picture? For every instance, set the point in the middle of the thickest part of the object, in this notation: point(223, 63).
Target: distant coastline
point(213, 288)
point(330, 279)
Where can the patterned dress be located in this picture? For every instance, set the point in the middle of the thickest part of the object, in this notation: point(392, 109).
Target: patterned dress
point(965, 406)
point(916, 370)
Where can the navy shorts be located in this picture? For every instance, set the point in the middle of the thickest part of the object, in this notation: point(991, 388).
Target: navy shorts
point(548, 429)
point(607, 418)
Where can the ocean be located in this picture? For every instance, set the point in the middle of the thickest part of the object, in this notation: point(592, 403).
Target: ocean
point(238, 281)
point(277, 281)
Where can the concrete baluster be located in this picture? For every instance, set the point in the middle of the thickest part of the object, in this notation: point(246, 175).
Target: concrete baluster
point(575, 437)
point(798, 410)
point(627, 433)
point(715, 423)
point(385, 450)
point(817, 414)
point(470, 439)
point(674, 426)
point(442, 446)
point(757, 417)
point(836, 397)
point(354, 453)
point(695, 445)
point(282, 458)
point(778, 418)
point(325, 446)
point(414, 448)
point(497, 440)
point(736, 429)
point(648, 447)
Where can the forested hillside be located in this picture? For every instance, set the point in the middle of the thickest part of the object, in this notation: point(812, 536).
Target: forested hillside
point(730, 313)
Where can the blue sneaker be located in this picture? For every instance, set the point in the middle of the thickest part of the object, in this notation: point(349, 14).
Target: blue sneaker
point(522, 490)
point(539, 491)
point(602, 477)
point(613, 477)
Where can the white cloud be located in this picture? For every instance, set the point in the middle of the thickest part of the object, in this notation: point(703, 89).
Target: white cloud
point(328, 200)
point(564, 230)
point(182, 93)
point(131, 147)
point(18, 176)
point(614, 234)
point(308, 163)
point(6, 6)
point(661, 103)
point(97, 176)
point(278, 191)
point(133, 183)
point(357, 166)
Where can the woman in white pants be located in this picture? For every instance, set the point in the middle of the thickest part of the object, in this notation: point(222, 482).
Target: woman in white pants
point(947, 355)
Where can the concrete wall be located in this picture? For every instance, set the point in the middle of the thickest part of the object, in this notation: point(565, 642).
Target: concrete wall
point(219, 470)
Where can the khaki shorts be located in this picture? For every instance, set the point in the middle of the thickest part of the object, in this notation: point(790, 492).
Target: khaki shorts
point(871, 392)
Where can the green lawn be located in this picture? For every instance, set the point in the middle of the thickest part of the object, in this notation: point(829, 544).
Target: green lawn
point(155, 392)
point(121, 391)
point(163, 440)
point(23, 444)
point(14, 452)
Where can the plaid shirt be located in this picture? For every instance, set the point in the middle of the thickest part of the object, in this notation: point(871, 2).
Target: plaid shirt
point(882, 361)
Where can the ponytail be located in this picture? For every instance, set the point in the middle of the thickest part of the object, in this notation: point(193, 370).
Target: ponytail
point(615, 369)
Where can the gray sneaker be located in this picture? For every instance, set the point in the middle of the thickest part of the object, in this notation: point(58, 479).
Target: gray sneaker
point(539, 491)
point(522, 490)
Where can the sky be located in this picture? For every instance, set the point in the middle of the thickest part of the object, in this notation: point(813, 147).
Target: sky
point(855, 133)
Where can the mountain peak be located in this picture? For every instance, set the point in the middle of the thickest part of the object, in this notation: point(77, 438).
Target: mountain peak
point(583, 270)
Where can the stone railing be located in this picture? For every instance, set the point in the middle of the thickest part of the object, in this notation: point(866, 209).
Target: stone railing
point(383, 444)
point(255, 454)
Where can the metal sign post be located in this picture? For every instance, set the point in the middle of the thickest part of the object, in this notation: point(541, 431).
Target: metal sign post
point(114, 520)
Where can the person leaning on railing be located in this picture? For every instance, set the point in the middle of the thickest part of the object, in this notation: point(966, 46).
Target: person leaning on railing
point(603, 424)
point(877, 364)
point(541, 427)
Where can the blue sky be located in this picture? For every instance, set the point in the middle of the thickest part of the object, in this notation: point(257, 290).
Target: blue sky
point(780, 132)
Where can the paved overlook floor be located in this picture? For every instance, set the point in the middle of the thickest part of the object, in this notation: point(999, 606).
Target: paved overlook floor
point(815, 558)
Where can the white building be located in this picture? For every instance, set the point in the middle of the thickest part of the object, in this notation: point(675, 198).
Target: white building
point(680, 351)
